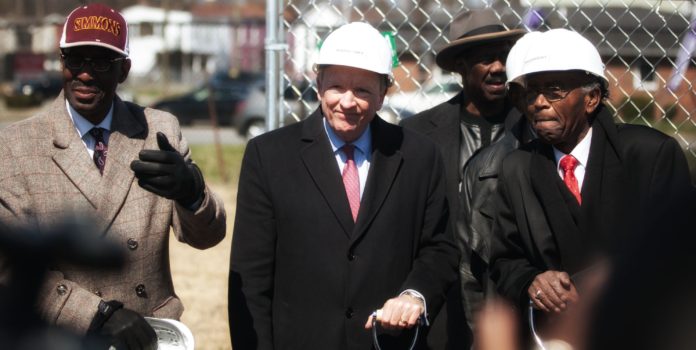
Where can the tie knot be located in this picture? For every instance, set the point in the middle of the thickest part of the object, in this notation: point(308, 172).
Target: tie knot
point(568, 163)
point(97, 133)
point(348, 150)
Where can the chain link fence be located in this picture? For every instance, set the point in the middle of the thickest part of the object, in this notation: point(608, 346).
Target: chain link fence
point(647, 45)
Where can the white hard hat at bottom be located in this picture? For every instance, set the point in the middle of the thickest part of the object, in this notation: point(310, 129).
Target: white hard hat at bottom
point(357, 45)
point(554, 50)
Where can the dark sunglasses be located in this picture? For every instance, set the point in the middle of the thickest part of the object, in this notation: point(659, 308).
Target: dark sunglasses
point(554, 92)
point(551, 93)
point(98, 64)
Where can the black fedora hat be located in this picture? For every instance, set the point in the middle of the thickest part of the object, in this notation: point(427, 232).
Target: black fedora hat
point(470, 28)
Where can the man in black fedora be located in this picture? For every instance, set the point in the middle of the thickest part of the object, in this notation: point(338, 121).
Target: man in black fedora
point(475, 118)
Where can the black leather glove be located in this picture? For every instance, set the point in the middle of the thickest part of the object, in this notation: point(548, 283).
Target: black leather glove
point(122, 328)
point(164, 172)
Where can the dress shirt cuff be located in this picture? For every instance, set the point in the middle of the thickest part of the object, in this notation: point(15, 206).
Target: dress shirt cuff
point(416, 294)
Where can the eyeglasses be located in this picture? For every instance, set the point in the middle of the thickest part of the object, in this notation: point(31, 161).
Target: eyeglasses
point(98, 64)
point(551, 93)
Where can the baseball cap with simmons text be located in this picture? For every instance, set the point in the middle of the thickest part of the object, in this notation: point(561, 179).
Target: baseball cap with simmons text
point(96, 25)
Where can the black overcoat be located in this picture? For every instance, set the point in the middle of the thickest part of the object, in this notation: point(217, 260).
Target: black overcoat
point(539, 226)
point(303, 274)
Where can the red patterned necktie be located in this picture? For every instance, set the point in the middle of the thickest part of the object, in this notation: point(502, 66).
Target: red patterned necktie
point(100, 148)
point(351, 180)
point(568, 164)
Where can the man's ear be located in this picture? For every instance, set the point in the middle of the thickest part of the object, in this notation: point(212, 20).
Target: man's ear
point(319, 84)
point(125, 68)
point(592, 100)
point(381, 101)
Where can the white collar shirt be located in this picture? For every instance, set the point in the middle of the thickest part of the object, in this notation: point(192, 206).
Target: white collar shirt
point(581, 152)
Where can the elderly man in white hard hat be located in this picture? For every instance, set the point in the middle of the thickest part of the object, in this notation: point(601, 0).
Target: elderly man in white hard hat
point(338, 216)
point(562, 199)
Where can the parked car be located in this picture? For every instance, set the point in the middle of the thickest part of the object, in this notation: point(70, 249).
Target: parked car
point(299, 100)
point(401, 105)
point(226, 93)
point(32, 91)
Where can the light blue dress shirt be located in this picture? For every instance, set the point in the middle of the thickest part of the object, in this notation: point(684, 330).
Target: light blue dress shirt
point(83, 126)
point(361, 156)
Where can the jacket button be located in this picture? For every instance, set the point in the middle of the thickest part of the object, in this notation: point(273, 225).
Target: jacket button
point(351, 256)
point(350, 312)
point(140, 291)
point(61, 289)
point(132, 244)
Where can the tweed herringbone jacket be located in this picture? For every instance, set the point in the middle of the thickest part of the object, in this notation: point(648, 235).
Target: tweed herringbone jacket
point(47, 174)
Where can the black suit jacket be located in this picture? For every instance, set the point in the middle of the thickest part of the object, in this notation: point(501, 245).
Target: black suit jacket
point(539, 225)
point(441, 125)
point(303, 274)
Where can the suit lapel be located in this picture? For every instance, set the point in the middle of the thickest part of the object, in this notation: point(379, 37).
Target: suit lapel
point(321, 165)
point(560, 208)
point(445, 128)
point(71, 155)
point(124, 146)
point(601, 189)
point(385, 163)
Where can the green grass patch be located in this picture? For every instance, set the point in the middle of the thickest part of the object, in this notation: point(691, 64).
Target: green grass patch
point(206, 156)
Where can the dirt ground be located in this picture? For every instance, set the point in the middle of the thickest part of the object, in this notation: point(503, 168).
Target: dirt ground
point(200, 280)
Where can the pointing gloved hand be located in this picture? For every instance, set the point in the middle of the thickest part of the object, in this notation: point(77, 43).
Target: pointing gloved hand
point(166, 173)
point(124, 329)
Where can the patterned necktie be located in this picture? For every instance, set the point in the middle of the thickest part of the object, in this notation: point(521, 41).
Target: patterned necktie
point(351, 180)
point(100, 148)
point(568, 164)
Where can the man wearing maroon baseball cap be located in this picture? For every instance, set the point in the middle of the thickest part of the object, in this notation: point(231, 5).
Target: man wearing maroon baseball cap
point(96, 25)
point(126, 167)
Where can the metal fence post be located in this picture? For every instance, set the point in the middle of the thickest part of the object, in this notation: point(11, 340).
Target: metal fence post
point(274, 48)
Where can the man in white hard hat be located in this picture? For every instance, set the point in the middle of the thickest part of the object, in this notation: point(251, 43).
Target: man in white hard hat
point(473, 119)
point(340, 215)
point(564, 198)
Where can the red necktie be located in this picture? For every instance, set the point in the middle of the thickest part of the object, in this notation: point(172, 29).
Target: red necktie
point(568, 164)
point(351, 180)
point(100, 149)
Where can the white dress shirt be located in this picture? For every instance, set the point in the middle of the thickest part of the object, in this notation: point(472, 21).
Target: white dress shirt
point(581, 152)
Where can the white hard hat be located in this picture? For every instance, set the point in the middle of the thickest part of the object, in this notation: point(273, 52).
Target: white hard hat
point(558, 50)
point(357, 45)
point(517, 54)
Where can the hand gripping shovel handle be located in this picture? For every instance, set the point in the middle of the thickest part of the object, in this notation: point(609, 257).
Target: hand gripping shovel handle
point(375, 341)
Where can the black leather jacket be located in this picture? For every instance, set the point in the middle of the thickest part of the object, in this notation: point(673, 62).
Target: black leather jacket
point(476, 213)
point(458, 139)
